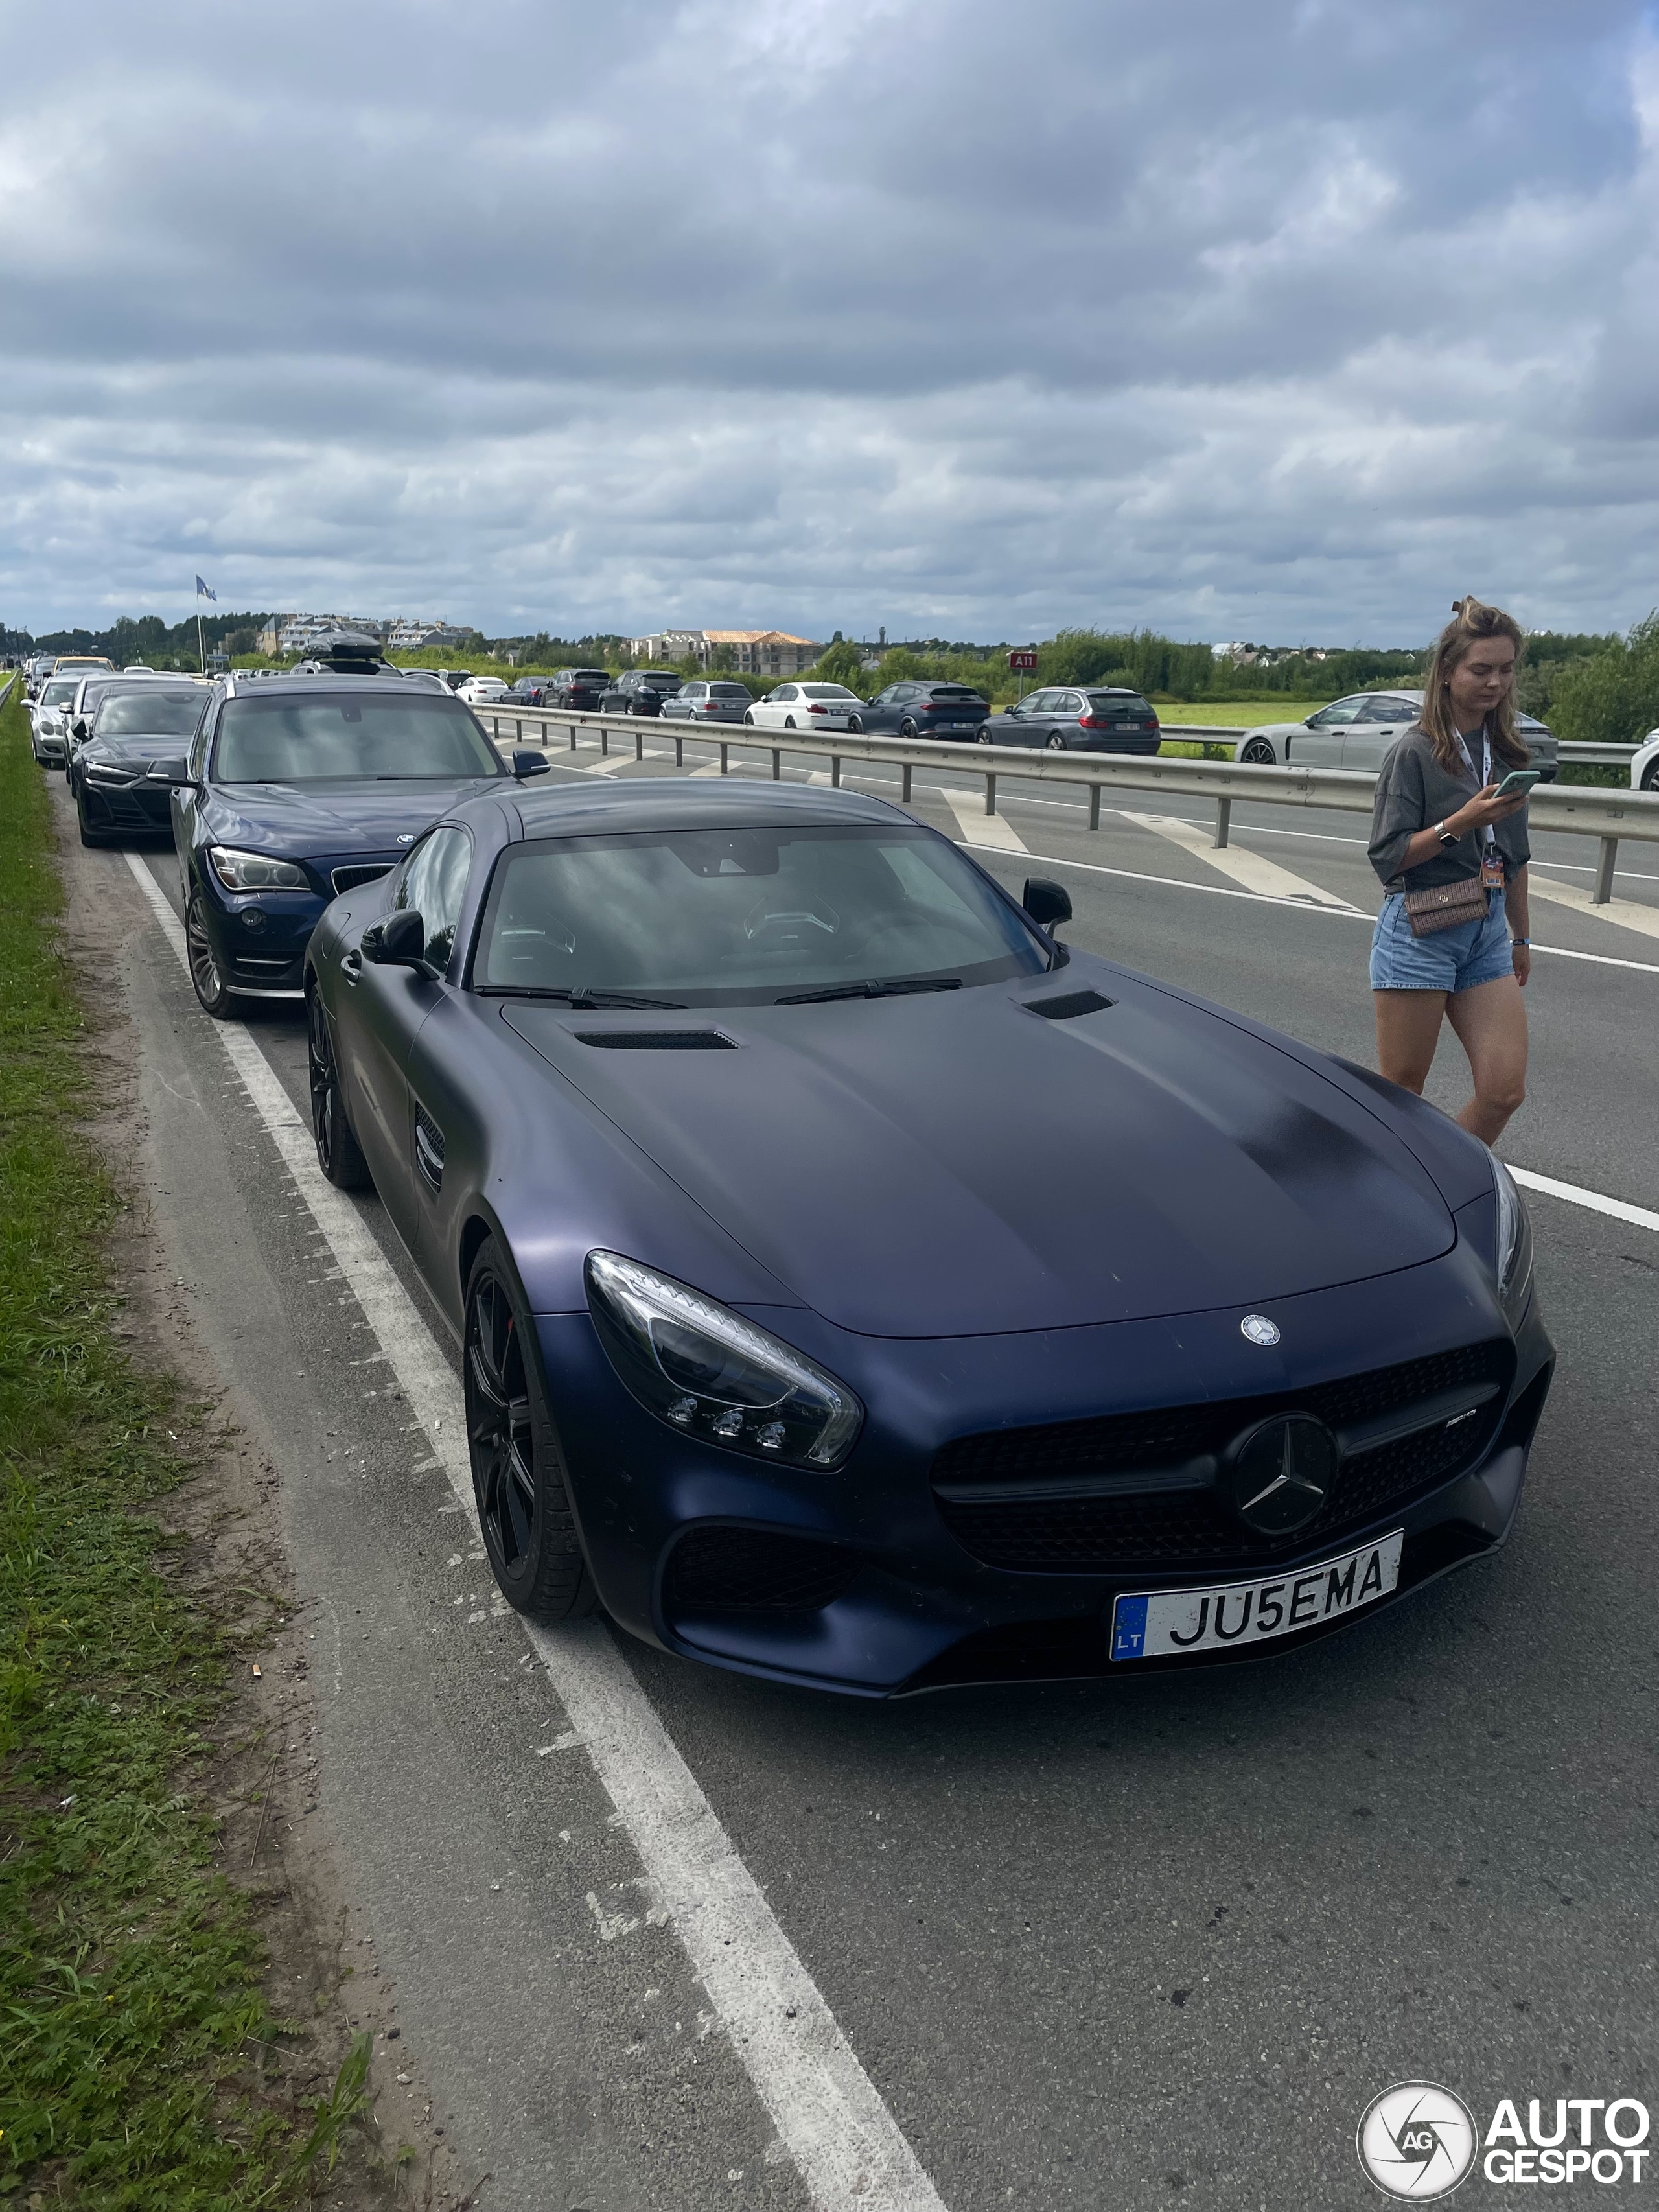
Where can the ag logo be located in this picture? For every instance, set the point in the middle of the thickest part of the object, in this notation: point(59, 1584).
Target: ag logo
point(1417, 2141)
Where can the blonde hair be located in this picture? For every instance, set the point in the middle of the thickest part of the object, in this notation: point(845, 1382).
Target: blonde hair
point(1472, 623)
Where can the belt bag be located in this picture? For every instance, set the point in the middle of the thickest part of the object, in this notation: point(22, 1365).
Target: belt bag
point(1445, 905)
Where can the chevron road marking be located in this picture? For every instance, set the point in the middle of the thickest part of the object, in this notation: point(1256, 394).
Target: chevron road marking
point(1244, 867)
point(978, 828)
point(850, 2152)
point(1625, 914)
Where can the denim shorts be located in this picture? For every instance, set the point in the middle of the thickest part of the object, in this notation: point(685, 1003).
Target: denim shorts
point(1459, 959)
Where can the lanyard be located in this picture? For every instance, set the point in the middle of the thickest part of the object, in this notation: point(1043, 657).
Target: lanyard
point(1491, 837)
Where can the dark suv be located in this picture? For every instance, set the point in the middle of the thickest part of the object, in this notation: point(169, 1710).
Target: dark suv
point(925, 710)
point(640, 692)
point(1066, 719)
point(580, 689)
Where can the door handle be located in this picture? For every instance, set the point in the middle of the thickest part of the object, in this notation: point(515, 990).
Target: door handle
point(351, 966)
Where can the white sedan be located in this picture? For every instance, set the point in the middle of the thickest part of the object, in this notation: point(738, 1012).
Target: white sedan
point(808, 707)
point(482, 690)
point(1644, 764)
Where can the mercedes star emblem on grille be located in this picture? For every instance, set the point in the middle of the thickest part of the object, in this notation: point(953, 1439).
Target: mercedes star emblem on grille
point(1280, 1473)
point(1259, 1330)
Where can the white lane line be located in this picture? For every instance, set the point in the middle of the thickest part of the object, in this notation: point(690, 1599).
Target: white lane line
point(978, 828)
point(1575, 1194)
point(1294, 906)
point(1626, 913)
point(1244, 867)
point(850, 2151)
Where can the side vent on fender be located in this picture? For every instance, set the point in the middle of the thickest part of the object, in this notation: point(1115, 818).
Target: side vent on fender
point(1068, 1005)
point(429, 1149)
point(655, 1040)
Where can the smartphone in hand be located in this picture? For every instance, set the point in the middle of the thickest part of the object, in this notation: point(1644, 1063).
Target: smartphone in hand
point(1517, 783)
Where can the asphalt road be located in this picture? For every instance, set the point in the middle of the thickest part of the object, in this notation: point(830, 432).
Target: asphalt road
point(1128, 1944)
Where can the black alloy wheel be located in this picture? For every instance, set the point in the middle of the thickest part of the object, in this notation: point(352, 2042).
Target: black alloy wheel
point(854, 725)
point(748, 721)
point(518, 1473)
point(1260, 751)
point(339, 1153)
point(907, 729)
point(213, 993)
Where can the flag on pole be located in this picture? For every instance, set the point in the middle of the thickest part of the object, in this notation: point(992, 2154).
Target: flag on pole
point(203, 593)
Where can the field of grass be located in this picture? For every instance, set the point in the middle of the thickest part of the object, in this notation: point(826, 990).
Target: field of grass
point(130, 1967)
point(1238, 714)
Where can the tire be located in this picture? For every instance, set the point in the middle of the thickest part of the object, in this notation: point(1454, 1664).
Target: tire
point(1259, 750)
point(983, 735)
point(855, 726)
point(748, 721)
point(339, 1153)
point(1054, 743)
point(788, 721)
point(518, 1470)
point(89, 836)
point(907, 729)
point(1651, 781)
point(213, 994)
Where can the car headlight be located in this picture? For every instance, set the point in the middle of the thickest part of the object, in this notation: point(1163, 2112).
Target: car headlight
point(701, 1368)
point(1514, 1242)
point(255, 871)
point(108, 772)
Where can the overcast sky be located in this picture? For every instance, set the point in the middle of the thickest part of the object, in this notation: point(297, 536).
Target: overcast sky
point(1289, 320)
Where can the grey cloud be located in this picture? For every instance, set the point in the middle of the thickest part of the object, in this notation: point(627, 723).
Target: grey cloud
point(836, 311)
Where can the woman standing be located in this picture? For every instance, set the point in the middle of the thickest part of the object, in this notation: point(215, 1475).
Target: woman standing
point(1452, 938)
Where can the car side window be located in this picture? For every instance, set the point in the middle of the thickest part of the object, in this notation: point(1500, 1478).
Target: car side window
point(1386, 710)
point(1345, 710)
point(434, 885)
point(1070, 703)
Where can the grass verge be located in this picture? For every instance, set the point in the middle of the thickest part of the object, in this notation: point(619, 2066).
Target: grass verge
point(130, 1967)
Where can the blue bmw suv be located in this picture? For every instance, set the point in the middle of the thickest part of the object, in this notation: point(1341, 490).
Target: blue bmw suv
point(295, 791)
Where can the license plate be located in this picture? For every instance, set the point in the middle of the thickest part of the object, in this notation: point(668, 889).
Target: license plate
point(1153, 1624)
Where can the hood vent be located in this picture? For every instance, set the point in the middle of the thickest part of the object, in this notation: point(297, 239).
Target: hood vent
point(1068, 1005)
point(655, 1040)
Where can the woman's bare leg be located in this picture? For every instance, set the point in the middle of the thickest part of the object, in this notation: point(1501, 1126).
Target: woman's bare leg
point(1408, 1031)
point(1491, 1023)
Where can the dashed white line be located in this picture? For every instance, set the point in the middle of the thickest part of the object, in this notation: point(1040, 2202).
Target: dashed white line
point(1576, 1194)
point(851, 2153)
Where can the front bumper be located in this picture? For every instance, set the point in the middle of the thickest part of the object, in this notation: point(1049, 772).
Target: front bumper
point(259, 937)
point(854, 1581)
point(145, 804)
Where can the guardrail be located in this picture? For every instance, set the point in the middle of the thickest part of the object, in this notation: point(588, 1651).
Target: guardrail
point(1574, 810)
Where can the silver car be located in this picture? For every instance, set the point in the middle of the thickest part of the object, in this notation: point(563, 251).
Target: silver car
point(708, 699)
point(49, 721)
point(1359, 731)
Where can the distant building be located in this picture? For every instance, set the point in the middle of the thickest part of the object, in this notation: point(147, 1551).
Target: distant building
point(407, 636)
point(753, 652)
point(298, 633)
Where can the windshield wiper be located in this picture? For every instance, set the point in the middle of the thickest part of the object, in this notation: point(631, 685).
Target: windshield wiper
point(583, 995)
point(874, 989)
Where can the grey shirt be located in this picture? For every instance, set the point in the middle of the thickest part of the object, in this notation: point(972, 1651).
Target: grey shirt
point(1414, 792)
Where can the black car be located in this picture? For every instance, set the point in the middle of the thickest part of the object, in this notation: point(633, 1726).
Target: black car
point(346, 653)
point(580, 689)
point(640, 692)
point(797, 1376)
point(295, 791)
point(925, 710)
point(1069, 719)
point(529, 691)
point(90, 694)
point(122, 775)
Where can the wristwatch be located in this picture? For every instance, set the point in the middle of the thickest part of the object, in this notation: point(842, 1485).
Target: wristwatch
point(1446, 836)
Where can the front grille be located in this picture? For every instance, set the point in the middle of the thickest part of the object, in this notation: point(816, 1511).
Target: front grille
point(722, 1570)
point(1183, 1522)
point(366, 871)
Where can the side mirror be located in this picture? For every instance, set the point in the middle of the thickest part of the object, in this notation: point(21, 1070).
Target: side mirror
point(527, 762)
point(179, 777)
point(399, 941)
point(1047, 904)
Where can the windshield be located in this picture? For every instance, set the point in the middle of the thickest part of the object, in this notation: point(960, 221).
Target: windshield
point(312, 740)
point(703, 916)
point(1118, 703)
point(150, 714)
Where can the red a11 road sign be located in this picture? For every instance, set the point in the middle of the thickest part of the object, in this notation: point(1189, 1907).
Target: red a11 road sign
point(1026, 661)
